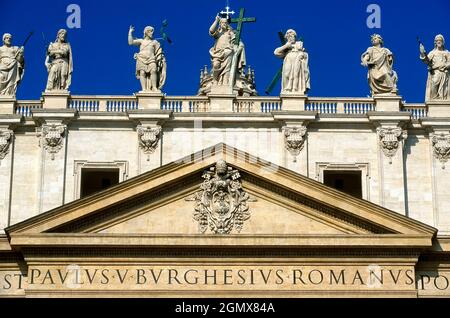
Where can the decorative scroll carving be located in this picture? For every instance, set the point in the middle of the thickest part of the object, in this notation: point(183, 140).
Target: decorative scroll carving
point(51, 137)
point(295, 139)
point(389, 139)
point(5, 141)
point(148, 138)
point(441, 147)
point(221, 204)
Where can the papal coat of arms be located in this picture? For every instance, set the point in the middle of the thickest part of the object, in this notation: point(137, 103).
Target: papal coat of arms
point(221, 204)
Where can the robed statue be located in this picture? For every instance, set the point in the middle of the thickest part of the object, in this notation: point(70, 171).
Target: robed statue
point(438, 61)
point(59, 63)
point(12, 66)
point(381, 76)
point(295, 75)
point(227, 58)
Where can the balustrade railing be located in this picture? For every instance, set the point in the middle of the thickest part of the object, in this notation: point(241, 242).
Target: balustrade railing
point(194, 104)
point(26, 107)
point(256, 104)
point(417, 110)
point(103, 103)
point(340, 105)
point(179, 104)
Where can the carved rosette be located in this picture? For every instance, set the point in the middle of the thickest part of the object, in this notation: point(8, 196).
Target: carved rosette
point(221, 204)
point(441, 147)
point(51, 137)
point(148, 138)
point(389, 139)
point(5, 141)
point(294, 139)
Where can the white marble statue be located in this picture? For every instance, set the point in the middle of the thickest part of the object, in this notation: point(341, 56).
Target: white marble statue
point(438, 61)
point(224, 52)
point(59, 63)
point(11, 66)
point(295, 75)
point(382, 78)
point(150, 61)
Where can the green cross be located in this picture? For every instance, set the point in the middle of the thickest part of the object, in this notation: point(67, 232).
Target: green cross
point(240, 21)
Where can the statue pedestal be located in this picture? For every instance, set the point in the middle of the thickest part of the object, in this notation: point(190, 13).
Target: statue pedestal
point(387, 102)
point(221, 90)
point(438, 108)
point(55, 99)
point(221, 103)
point(221, 98)
point(7, 104)
point(293, 101)
point(149, 100)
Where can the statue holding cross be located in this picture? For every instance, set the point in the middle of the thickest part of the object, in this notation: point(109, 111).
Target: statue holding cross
point(223, 51)
point(227, 54)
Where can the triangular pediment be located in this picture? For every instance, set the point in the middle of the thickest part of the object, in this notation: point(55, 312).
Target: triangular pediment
point(267, 216)
point(281, 204)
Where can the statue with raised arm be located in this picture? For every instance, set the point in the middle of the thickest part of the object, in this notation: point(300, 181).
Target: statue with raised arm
point(295, 74)
point(381, 76)
point(224, 51)
point(12, 66)
point(438, 61)
point(150, 61)
point(59, 63)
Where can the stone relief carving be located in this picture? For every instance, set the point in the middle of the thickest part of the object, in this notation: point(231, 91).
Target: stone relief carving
point(148, 138)
point(294, 139)
point(441, 147)
point(295, 75)
point(438, 62)
point(381, 76)
point(390, 138)
point(51, 137)
point(5, 141)
point(221, 204)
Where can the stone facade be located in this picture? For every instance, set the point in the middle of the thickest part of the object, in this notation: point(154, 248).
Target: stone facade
point(406, 178)
point(166, 148)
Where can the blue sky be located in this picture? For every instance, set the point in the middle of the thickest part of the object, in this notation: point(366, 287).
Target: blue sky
point(335, 35)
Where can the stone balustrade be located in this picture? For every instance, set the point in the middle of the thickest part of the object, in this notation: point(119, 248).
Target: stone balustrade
point(103, 103)
point(193, 104)
point(340, 105)
point(25, 107)
point(187, 104)
point(417, 110)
